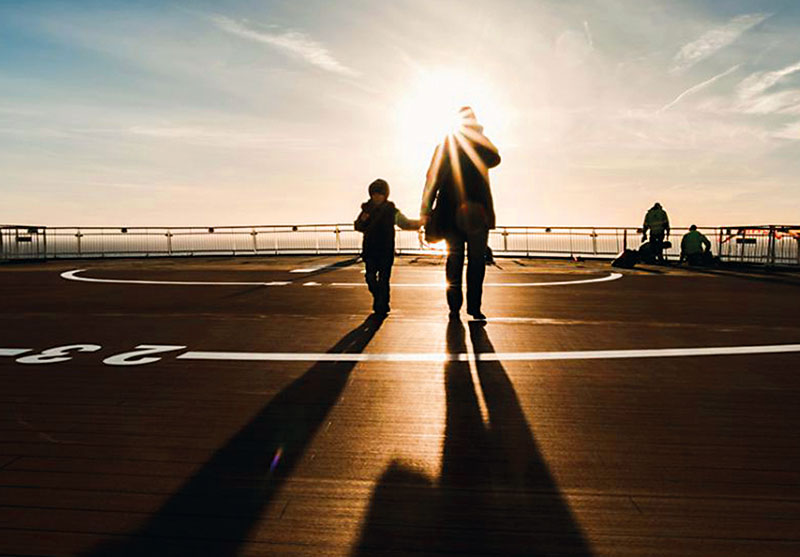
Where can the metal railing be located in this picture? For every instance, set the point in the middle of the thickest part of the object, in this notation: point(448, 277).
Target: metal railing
point(762, 244)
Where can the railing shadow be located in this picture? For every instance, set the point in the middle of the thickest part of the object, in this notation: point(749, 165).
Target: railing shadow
point(214, 512)
point(306, 276)
point(749, 274)
point(495, 495)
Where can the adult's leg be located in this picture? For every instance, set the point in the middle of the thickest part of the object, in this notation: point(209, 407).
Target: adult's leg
point(454, 270)
point(476, 269)
point(657, 239)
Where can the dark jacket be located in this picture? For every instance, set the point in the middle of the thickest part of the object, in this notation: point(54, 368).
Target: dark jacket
point(377, 223)
point(467, 206)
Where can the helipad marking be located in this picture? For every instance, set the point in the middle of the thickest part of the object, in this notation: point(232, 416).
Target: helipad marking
point(490, 356)
point(610, 277)
point(13, 351)
point(73, 275)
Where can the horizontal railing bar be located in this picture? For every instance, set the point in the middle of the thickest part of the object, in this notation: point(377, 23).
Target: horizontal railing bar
point(350, 225)
point(758, 244)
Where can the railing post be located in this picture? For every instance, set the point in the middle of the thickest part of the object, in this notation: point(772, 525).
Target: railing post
point(253, 233)
point(527, 243)
point(797, 240)
point(624, 239)
point(169, 241)
point(722, 233)
point(505, 240)
point(771, 246)
point(338, 240)
point(78, 235)
point(743, 234)
point(571, 251)
point(594, 241)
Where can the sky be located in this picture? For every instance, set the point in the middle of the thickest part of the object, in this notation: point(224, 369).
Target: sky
point(282, 112)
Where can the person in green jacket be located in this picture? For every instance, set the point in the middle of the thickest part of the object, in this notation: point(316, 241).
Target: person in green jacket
point(695, 247)
point(657, 222)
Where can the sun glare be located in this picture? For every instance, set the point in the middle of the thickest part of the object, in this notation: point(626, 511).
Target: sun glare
point(428, 111)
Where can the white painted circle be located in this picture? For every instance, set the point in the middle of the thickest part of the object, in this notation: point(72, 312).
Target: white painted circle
point(73, 275)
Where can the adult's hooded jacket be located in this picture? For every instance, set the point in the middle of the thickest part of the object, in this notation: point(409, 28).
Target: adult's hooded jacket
point(458, 182)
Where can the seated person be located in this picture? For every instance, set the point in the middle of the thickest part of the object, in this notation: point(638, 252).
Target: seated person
point(695, 247)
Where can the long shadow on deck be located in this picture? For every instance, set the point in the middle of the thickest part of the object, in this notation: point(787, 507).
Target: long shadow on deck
point(214, 512)
point(495, 496)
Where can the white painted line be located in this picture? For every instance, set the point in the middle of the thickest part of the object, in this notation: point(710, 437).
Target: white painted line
point(610, 277)
point(13, 351)
point(490, 356)
point(312, 283)
point(73, 275)
point(311, 270)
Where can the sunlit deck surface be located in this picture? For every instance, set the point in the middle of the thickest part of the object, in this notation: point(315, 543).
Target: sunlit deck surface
point(427, 455)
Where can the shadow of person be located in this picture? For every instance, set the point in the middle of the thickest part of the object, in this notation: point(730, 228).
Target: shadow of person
point(525, 492)
point(495, 495)
point(214, 512)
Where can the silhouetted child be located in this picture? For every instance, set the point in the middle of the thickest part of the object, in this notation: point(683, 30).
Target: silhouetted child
point(376, 220)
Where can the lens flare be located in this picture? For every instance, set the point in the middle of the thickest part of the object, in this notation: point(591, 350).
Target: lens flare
point(276, 459)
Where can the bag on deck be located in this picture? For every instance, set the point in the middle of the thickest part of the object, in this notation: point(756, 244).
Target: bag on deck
point(626, 260)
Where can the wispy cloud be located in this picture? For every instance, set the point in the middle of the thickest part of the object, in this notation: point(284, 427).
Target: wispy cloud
point(715, 40)
point(757, 83)
point(698, 87)
point(785, 102)
point(753, 96)
point(790, 131)
point(292, 42)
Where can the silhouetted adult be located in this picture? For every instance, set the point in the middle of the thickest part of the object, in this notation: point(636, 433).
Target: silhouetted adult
point(657, 222)
point(457, 202)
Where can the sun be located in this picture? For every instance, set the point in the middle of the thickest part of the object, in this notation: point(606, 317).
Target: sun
point(428, 110)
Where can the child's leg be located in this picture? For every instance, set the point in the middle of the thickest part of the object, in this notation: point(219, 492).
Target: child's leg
point(382, 293)
point(371, 277)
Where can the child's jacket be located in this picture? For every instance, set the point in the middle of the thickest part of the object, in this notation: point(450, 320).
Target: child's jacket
point(377, 223)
